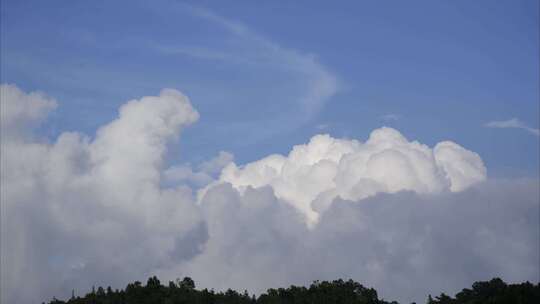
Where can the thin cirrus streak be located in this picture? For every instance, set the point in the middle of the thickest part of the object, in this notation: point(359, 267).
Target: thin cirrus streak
point(513, 123)
point(255, 49)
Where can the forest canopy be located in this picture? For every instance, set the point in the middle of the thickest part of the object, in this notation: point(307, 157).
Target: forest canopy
point(338, 291)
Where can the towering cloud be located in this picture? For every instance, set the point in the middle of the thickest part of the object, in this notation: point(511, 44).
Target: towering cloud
point(81, 210)
point(394, 214)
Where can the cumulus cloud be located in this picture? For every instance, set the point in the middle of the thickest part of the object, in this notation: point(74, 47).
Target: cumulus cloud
point(405, 244)
point(206, 172)
point(391, 213)
point(512, 123)
point(312, 175)
point(19, 111)
point(84, 210)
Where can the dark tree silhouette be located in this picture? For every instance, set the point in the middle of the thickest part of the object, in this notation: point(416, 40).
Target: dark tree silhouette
point(336, 292)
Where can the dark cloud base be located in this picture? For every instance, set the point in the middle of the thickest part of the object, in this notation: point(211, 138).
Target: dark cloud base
point(405, 245)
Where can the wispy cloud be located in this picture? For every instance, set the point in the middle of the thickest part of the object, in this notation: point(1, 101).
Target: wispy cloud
point(323, 126)
point(321, 84)
point(192, 51)
point(390, 117)
point(512, 123)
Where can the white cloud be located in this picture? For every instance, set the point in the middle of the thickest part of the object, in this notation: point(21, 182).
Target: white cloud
point(206, 173)
point(322, 126)
point(464, 168)
point(405, 244)
point(216, 164)
point(391, 213)
point(92, 203)
point(319, 82)
point(312, 175)
point(185, 174)
point(391, 117)
point(512, 123)
point(193, 51)
point(19, 111)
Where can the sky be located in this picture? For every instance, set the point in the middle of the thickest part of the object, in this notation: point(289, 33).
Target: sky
point(441, 70)
point(175, 125)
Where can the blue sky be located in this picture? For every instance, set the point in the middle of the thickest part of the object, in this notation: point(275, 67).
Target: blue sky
point(265, 76)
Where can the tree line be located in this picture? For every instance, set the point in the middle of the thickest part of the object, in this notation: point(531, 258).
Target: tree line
point(339, 291)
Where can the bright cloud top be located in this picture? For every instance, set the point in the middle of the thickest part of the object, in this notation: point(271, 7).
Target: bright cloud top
point(314, 174)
